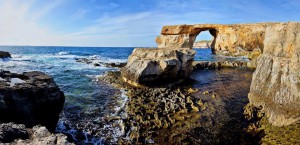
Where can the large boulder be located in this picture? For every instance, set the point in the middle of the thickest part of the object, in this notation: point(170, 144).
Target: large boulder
point(30, 98)
point(4, 54)
point(276, 82)
point(147, 65)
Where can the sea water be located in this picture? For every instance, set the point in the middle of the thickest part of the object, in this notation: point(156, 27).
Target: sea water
point(77, 80)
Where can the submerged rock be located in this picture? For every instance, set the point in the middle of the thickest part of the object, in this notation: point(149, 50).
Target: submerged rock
point(30, 98)
point(4, 54)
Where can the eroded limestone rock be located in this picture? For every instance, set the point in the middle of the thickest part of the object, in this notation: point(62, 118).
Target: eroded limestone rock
point(147, 65)
point(276, 81)
point(233, 40)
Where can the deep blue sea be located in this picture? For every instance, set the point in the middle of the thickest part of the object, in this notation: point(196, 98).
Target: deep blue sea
point(77, 80)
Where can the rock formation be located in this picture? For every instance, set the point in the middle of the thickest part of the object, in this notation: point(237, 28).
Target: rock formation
point(4, 54)
point(31, 98)
point(18, 134)
point(174, 56)
point(275, 84)
point(10, 131)
point(276, 81)
point(147, 65)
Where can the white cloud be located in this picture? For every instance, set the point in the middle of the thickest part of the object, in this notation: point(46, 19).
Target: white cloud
point(20, 27)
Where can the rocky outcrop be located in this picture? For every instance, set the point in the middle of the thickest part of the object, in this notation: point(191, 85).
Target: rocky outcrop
point(32, 97)
point(4, 54)
point(220, 64)
point(18, 134)
point(10, 131)
point(147, 65)
point(202, 44)
point(95, 62)
point(275, 83)
point(40, 135)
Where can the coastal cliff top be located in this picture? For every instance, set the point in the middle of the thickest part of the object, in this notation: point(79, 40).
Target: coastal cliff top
point(195, 28)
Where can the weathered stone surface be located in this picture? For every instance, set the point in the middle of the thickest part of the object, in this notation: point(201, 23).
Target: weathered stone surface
point(221, 64)
point(175, 41)
point(234, 40)
point(41, 136)
point(10, 131)
point(276, 81)
point(30, 98)
point(4, 54)
point(202, 44)
point(147, 65)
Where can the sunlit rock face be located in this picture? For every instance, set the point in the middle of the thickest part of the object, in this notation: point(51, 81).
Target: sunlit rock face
point(276, 81)
point(273, 48)
point(232, 40)
point(157, 65)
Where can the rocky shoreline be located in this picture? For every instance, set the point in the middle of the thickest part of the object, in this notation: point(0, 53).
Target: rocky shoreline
point(29, 99)
point(190, 112)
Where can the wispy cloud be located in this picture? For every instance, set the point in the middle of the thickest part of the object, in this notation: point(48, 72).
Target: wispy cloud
point(80, 14)
point(47, 8)
point(116, 23)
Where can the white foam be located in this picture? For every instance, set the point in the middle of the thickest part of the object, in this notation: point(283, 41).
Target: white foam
point(14, 81)
point(1, 79)
point(63, 53)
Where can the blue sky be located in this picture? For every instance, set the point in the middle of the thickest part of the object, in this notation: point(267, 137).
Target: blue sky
point(133, 23)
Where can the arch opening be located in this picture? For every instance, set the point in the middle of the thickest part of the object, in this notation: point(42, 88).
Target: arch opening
point(206, 38)
point(204, 43)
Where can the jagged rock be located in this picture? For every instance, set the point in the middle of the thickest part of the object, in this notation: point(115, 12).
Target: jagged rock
point(41, 136)
point(147, 65)
point(4, 54)
point(275, 83)
point(221, 64)
point(97, 63)
point(30, 98)
point(10, 131)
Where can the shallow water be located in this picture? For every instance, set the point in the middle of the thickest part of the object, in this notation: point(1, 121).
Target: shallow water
point(223, 94)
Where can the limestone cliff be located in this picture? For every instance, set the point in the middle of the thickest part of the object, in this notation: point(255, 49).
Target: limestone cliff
point(232, 40)
point(275, 84)
point(202, 44)
point(276, 81)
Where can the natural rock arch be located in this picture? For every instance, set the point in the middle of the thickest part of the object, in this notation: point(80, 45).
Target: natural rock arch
point(274, 49)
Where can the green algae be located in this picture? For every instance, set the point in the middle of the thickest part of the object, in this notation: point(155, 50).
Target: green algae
point(265, 133)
